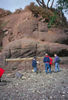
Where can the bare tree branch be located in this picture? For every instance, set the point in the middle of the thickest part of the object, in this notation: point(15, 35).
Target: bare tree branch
point(38, 1)
point(41, 3)
point(52, 4)
point(48, 3)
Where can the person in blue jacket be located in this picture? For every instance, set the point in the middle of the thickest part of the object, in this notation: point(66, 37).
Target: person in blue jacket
point(46, 61)
point(34, 64)
point(56, 61)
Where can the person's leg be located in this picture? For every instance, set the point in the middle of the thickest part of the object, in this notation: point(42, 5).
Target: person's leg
point(49, 67)
point(56, 67)
point(46, 68)
point(35, 69)
point(0, 79)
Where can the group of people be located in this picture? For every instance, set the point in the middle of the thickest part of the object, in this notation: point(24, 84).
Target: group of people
point(48, 61)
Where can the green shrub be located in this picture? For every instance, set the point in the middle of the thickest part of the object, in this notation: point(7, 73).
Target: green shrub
point(36, 10)
point(52, 20)
point(51, 16)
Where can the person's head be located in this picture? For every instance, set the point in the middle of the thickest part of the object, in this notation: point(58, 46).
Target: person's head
point(46, 54)
point(34, 58)
point(55, 55)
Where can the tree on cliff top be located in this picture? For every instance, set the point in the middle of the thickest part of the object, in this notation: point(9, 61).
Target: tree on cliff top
point(62, 5)
point(43, 4)
point(49, 13)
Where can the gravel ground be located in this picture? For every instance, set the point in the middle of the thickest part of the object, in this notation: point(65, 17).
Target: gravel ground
point(33, 86)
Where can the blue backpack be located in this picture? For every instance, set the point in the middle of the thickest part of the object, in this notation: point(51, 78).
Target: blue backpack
point(58, 60)
point(46, 59)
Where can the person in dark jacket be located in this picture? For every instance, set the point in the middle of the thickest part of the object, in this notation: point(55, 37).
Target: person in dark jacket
point(46, 61)
point(56, 61)
point(34, 64)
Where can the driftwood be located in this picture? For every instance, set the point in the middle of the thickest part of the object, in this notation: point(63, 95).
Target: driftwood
point(17, 59)
point(20, 59)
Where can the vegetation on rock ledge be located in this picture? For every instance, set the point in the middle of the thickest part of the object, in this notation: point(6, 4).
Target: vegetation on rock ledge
point(50, 15)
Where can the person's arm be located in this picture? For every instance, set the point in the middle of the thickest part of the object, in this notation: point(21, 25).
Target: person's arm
point(44, 59)
point(35, 61)
point(55, 60)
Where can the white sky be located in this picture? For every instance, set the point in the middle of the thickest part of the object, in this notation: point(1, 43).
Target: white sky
point(12, 5)
point(15, 4)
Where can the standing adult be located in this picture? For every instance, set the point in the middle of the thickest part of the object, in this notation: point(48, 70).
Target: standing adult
point(50, 63)
point(46, 61)
point(56, 61)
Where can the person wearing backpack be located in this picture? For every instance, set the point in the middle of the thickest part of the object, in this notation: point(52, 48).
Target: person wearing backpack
point(56, 61)
point(46, 61)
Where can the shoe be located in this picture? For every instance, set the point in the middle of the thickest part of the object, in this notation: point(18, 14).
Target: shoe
point(59, 71)
point(46, 72)
point(36, 72)
point(50, 72)
point(0, 80)
point(55, 71)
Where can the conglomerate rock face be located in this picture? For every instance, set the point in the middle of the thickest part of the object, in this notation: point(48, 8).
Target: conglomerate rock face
point(29, 47)
point(24, 24)
point(22, 32)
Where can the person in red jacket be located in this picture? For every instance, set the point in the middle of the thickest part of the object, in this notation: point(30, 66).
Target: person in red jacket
point(50, 63)
point(1, 73)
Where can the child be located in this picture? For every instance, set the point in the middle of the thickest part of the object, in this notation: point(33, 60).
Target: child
point(34, 64)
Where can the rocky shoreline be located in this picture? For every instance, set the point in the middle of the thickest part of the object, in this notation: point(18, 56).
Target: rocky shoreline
point(34, 86)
